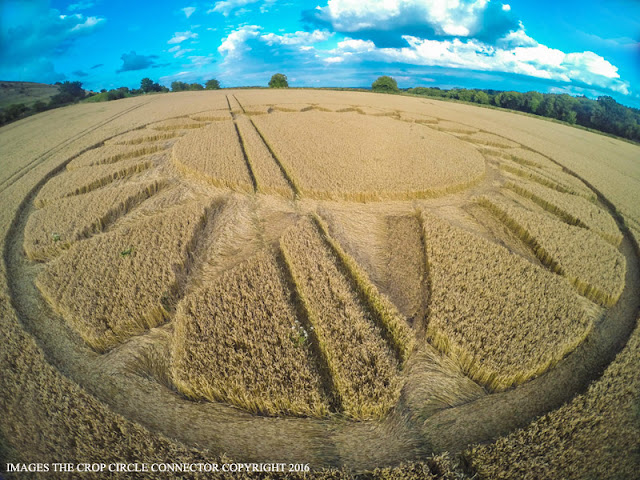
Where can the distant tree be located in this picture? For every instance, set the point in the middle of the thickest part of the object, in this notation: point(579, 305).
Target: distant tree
point(384, 84)
point(146, 85)
point(212, 84)
point(39, 106)
point(532, 101)
point(278, 80)
point(196, 86)
point(548, 106)
point(73, 89)
point(103, 90)
point(13, 111)
point(512, 100)
point(564, 108)
point(68, 92)
point(481, 97)
point(115, 94)
point(461, 94)
point(179, 86)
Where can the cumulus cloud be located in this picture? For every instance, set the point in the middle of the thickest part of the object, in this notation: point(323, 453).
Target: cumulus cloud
point(180, 37)
point(235, 44)
point(386, 23)
point(133, 61)
point(188, 11)
point(528, 58)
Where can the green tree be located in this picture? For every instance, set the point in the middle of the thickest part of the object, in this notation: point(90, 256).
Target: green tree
point(68, 92)
point(548, 106)
point(481, 97)
point(39, 106)
point(384, 84)
point(73, 89)
point(196, 86)
point(532, 101)
point(212, 84)
point(565, 108)
point(511, 100)
point(179, 86)
point(278, 80)
point(14, 111)
point(146, 85)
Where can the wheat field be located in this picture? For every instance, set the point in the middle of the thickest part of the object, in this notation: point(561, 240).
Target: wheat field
point(381, 286)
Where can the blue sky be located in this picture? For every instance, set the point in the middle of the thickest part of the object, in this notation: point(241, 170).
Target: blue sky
point(578, 47)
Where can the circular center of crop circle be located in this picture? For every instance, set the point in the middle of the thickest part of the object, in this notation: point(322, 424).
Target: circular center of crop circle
point(329, 155)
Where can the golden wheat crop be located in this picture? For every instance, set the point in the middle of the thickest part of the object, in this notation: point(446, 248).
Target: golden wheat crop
point(363, 369)
point(597, 269)
point(527, 158)
point(212, 116)
point(384, 313)
point(490, 294)
point(454, 127)
point(417, 118)
point(571, 208)
point(121, 283)
point(234, 105)
point(238, 340)
point(115, 153)
point(292, 107)
point(485, 138)
point(594, 436)
point(556, 179)
point(501, 335)
point(142, 135)
point(393, 159)
point(182, 123)
point(215, 154)
point(67, 220)
point(269, 176)
point(86, 179)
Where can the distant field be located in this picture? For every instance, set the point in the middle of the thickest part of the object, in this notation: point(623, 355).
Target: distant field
point(26, 93)
point(346, 279)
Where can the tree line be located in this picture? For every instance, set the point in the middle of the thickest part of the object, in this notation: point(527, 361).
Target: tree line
point(603, 114)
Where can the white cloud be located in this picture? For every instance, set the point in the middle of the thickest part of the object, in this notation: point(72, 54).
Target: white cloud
point(82, 5)
point(88, 24)
point(506, 7)
point(297, 38)
point(178, 51)
point(199, 61)
point(225, 7)
point(234, 45)
point(188, 11)
point(180, 37)
point(441, 18)
point(534, 59)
